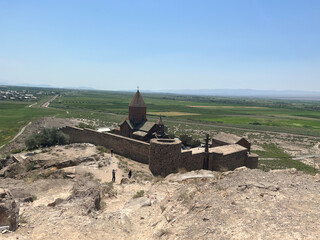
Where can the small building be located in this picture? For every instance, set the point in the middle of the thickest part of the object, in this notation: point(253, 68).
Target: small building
point(222, 139)
point(137, 126)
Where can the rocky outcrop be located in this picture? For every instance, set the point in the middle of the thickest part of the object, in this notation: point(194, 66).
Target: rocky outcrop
point(124, 181)
point(88, 194)
point(69, 162)
point(9, 210)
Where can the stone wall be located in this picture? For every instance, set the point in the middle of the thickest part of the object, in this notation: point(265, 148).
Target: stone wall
point(244, 143)
point(128, 147)
point(251, 161)
point(164, 156)
point(231, 161)
point(214, 159)
point(191, 161)
point(137, 114)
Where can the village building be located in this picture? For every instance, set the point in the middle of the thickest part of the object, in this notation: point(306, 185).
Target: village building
point(137, 126)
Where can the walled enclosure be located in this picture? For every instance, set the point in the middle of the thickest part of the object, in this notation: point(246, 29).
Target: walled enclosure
point(164, 156)
point(128, 147)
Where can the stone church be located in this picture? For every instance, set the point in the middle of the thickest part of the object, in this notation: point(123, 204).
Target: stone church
point(137, 126)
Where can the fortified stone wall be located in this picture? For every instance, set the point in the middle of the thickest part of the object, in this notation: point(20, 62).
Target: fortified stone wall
point(214, 159)
point(134, 149)
point(230, 161)
point(164, 156)
point(191, 161)
point(251, 161)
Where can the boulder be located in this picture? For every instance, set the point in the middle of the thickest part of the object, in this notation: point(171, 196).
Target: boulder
point(88, 193)
point(9, 210)
point(124, 181)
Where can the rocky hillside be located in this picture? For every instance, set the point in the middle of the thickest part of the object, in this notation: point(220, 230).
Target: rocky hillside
point(66, 193)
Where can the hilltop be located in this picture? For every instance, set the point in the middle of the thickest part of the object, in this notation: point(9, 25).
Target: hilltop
point(64, 192)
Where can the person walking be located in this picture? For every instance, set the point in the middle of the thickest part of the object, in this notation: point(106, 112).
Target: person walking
point(111, 152)
point(129, 174)
point(113, 175)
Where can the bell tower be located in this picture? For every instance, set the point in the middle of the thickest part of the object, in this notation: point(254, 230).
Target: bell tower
point(137, 109)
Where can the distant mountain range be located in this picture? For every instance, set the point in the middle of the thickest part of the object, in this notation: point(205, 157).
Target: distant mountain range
point(206, 92)
point(45, 86)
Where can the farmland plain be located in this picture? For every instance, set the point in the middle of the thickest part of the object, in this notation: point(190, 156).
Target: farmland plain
point(292, 116)
point(265, 122)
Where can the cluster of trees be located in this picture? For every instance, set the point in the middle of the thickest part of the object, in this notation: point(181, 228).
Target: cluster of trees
point(45, 138)
point(188, 141)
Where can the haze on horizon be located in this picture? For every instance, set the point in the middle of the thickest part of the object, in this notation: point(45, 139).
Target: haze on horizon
point(117, 45)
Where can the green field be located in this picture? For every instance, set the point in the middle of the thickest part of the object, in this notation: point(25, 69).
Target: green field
point(192, 115)
point(278, 159)
point(14, 115)
point(300, 117)
point(290, 116)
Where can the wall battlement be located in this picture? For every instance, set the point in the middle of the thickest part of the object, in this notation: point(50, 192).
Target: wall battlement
point(164, 156)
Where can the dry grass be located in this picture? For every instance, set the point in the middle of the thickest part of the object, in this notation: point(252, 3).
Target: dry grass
point(138, 194)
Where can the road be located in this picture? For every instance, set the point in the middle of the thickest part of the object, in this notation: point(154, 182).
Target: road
point(46, 104)
point(32, 104)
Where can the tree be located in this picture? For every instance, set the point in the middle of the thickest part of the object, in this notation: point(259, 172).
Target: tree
point(45, 138)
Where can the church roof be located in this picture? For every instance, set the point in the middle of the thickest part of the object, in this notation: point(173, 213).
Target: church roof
point(137, 101)
point(227, 149)
point(145, 126)
point(126, 121)
point(227, 138)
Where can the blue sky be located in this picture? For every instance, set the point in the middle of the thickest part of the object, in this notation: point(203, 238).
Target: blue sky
point(167, 44)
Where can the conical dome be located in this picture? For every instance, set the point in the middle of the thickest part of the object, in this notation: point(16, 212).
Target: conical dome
point(137, 101)
point(137, 109)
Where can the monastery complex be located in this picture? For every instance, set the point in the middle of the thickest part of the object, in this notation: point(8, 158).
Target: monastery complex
point(148, 142)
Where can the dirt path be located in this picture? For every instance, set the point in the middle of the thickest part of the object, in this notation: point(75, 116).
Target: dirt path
point(306, 156)
point(105, 173)
point(46, 104)
point(32, 104)
point(18, 134)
